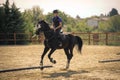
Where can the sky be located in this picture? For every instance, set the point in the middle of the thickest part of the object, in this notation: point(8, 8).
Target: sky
point(83, 8)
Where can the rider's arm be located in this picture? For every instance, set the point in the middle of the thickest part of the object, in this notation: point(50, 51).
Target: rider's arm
point(53, 25)
point(60, 25)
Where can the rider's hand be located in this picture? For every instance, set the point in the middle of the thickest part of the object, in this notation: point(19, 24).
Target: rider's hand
point(54, 29)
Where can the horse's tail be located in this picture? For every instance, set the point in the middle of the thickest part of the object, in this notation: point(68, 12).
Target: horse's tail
point(79, 43)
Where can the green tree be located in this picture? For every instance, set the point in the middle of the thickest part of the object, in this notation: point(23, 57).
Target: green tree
point(113, 12)
point(31, 17)
point(2, 19)
point(81, 26)
point(11, 21)
point(6, 16)
point(16, 22)
point(37, 14)
point(114, 24)
point(78, 17)
point(103, 26)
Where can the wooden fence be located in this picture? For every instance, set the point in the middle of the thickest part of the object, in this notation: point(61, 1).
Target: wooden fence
point(88, 38)
point(100, 38)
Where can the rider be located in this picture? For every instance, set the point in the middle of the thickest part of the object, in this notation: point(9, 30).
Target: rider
point(57, 25)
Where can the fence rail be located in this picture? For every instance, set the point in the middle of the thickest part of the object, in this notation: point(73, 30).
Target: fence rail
point(88, 38)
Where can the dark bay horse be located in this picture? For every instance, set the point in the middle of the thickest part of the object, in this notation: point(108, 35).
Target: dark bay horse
point(51, 42)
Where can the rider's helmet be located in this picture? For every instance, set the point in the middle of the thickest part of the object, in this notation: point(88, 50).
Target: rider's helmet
point(55, 11)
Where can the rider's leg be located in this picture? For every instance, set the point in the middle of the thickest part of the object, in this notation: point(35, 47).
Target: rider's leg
point(59, 37)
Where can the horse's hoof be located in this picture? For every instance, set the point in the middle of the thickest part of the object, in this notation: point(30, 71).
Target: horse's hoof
point(41, 68)
point(54, 61)
point(64, 69)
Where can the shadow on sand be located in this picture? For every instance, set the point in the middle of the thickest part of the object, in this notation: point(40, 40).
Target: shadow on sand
point(65, 74)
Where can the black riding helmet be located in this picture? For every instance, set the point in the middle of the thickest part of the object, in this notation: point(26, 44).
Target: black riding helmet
point(55, 11)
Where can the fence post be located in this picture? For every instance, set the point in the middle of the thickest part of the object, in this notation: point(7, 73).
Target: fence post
point(106, 39)
point(15, 38)
point(89, 38)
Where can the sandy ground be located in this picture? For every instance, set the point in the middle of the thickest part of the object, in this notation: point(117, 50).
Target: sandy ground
point(82, 67)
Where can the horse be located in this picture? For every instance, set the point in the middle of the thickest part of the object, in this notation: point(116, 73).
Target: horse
point(51, 42)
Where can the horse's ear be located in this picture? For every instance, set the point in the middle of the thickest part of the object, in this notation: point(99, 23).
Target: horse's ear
point(41, 21)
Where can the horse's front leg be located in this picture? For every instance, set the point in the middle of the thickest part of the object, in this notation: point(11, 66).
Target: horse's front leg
point(46, 49)
point(49, 56)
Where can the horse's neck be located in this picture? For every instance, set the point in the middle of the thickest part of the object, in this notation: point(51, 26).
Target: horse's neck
point(48, 34)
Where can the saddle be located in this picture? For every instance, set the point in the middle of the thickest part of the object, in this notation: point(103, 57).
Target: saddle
point(61, 36)
point(57, 39)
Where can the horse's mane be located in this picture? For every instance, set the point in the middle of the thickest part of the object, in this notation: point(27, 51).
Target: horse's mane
point(51, 29)
point(46, 24)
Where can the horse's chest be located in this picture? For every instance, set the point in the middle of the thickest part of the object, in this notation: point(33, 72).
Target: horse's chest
point(50, 43)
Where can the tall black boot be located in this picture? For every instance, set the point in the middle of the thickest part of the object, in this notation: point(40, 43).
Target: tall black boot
point(59, 41)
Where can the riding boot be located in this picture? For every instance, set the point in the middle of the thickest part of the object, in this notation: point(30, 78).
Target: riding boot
point(58, 36)
point(60, 40)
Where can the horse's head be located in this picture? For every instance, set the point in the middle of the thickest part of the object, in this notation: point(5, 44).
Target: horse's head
point(42, 26)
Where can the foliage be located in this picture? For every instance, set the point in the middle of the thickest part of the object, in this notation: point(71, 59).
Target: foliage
point(103, 26)
point(114, 24)
point(111, 25)
point(11, 21)
point(31, 17)
point(83, 27)
point(2, 19)
point(113, 12)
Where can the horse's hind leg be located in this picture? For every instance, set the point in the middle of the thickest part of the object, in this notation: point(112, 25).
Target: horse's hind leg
point(68, 57)
point(49, 56)
point(71, 53)
point(46, 49)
